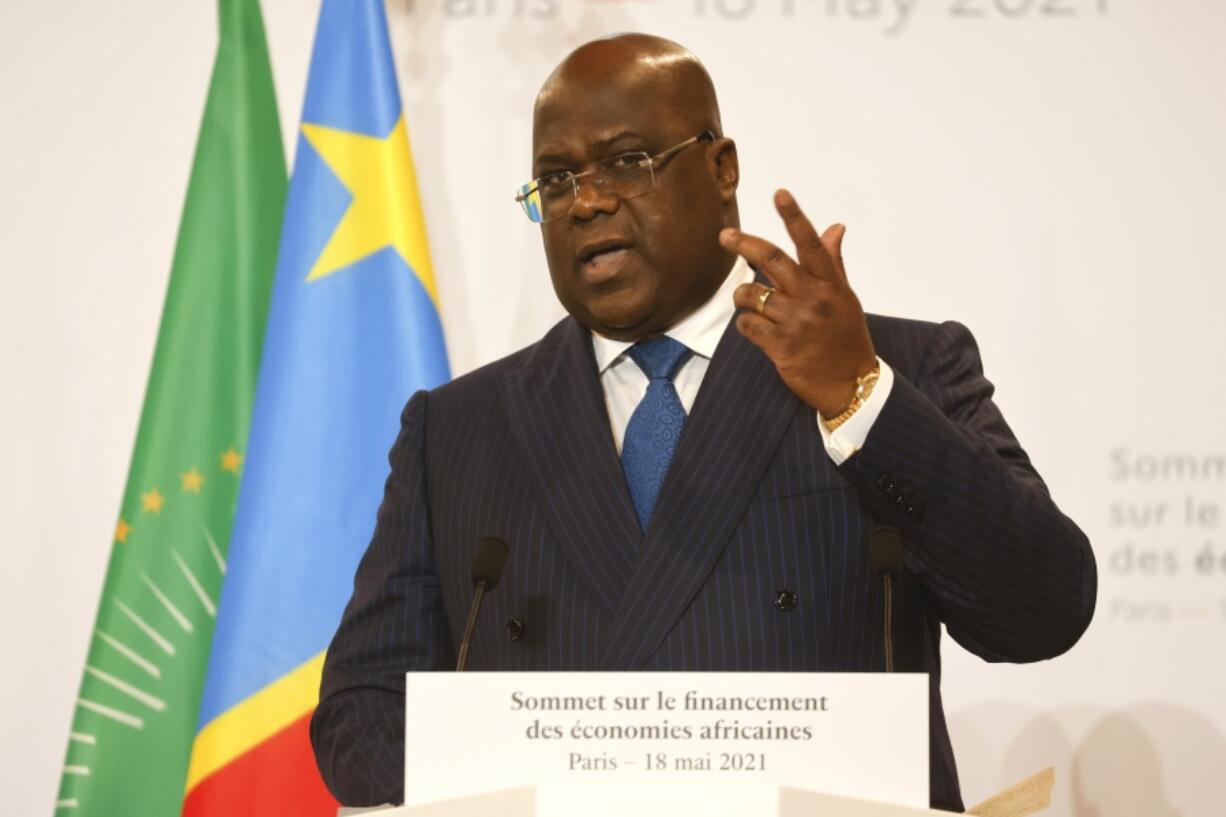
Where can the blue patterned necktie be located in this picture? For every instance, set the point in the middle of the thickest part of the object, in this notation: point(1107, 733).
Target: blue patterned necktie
point(655, 427)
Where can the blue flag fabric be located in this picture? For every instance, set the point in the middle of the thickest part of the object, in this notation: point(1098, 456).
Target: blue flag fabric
point(353, 330)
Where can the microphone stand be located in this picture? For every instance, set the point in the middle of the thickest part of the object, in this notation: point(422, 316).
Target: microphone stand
point(470, 626)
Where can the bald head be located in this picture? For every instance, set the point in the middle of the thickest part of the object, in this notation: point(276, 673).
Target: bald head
point(637, 247)
point(634, 66)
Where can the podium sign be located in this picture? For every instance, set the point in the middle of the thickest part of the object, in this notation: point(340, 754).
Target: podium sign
point(851, 734)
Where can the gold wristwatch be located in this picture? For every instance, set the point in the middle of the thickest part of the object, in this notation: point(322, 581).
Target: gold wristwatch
point(864, 387)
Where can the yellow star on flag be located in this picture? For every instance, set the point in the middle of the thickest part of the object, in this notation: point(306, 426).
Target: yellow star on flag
point(152, 501)
point(192, 480)
point(122, 529)
point(231, 460)
point(385, 211)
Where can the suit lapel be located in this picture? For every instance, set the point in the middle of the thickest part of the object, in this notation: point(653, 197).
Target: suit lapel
point(557, 412)
point(736, 423)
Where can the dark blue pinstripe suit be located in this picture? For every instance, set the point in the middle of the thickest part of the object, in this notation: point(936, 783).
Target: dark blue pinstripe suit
point(521, 449)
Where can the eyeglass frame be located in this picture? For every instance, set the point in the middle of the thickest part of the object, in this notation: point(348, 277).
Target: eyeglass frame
point(649, 160)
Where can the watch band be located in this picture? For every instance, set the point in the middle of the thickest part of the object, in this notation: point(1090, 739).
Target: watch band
point(864, 387)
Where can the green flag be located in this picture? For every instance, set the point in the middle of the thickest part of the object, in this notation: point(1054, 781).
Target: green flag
point(136, 715)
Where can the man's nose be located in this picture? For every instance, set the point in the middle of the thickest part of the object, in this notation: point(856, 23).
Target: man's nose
point(592, 197)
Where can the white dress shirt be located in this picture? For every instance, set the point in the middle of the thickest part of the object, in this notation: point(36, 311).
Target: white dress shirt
point(625, 384)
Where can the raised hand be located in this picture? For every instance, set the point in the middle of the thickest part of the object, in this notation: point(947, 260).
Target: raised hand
point(810, 323)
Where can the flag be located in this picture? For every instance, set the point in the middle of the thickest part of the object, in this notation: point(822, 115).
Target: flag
point(137, 711)
point(353, 330)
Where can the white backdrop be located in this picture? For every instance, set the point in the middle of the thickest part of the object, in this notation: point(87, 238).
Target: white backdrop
point(1050, 172)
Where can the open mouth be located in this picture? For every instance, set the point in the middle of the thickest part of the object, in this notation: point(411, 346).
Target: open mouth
point(601, 260)
point(598, 248)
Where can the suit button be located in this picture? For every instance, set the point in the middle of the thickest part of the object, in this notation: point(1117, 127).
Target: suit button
point(515, 630)
point(887, 484)
point(785, 599)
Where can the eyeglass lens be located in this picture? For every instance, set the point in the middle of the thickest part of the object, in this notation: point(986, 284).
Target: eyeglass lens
point(624, 176)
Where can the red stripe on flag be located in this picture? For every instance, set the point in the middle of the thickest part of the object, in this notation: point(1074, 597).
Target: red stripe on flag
point(276, 778)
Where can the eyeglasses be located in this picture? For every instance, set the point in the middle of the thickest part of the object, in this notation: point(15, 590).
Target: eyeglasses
point(625, 176)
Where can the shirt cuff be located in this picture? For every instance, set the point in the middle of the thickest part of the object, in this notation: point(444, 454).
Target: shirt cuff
point(849, 437)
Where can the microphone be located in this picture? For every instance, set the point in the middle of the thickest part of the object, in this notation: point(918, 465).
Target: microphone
point(885, 560)
point(491, 558)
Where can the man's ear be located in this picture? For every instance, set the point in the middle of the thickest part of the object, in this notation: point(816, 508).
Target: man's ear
point(721, 156)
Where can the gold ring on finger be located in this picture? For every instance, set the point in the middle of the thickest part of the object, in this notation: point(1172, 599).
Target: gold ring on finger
point(766, 293)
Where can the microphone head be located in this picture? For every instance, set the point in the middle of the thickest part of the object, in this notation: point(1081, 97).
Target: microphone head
point(885, 549)
point(491, 558)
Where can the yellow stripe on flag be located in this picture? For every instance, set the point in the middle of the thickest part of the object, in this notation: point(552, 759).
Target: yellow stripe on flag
point(242, 727)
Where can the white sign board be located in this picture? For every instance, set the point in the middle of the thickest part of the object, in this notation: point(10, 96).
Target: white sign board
point(852, 734)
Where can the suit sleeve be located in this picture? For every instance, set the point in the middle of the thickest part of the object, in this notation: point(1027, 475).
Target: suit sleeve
point(394, 622)
point(1012, 577)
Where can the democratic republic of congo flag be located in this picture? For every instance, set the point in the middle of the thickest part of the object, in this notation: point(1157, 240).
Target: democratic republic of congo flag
point(137, 711)
point(353, 330)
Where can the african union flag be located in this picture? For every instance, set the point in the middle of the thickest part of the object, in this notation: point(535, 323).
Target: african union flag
point(136, 714)
point(353, 330)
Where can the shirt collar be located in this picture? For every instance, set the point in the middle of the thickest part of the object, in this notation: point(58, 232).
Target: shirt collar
point(700, 330)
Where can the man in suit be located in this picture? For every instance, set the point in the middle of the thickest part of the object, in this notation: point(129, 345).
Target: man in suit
point(687, 467)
